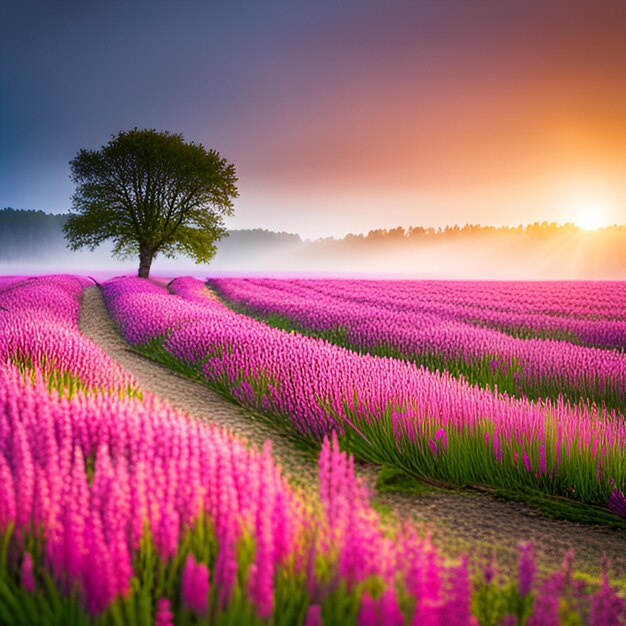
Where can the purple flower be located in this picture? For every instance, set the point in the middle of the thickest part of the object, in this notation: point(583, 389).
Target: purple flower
point(313, 616)
point(617, 503)
point(526, 568)
point(490, 570)
point(607, 608)
point(458, 609)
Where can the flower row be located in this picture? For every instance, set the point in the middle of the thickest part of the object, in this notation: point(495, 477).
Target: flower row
point(396, 319)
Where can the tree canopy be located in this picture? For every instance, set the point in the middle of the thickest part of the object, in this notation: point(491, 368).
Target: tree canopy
point(150, 193)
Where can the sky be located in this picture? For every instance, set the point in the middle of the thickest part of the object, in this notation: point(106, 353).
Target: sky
point(340, 116)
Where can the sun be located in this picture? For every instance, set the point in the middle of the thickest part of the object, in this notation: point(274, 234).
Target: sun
point(588, 201)
point(591, 218)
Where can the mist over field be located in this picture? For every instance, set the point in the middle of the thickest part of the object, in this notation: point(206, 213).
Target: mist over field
point(32, 242)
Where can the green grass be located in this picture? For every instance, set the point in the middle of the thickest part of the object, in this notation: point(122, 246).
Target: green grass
point(468, 463)
point(66, 383)
point(394, 480)
point(562, 508)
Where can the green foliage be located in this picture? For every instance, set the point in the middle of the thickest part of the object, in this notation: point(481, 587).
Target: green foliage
point(150, 193)
point(561, 508)
point(63, 382)
point(393, 480)
point(492, 602)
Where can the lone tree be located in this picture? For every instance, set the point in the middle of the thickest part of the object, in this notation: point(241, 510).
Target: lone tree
point(150, 193)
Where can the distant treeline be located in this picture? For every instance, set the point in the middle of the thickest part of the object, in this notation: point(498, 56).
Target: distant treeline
point(537, 231)
point(27, 233)
point(36, 235)
point(540, 250)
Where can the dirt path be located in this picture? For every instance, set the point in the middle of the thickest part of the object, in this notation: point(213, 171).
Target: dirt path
point(460, 522)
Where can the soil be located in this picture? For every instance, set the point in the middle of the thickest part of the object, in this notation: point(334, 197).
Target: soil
point(470, 522)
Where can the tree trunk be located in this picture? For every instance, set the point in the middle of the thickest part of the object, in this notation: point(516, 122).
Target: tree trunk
point(145, 261)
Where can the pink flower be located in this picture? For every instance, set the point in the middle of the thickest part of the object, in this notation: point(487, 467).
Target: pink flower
point(27, 574)
point(607, 607)
point(546, 606)
point(7, 495)
point(433, 447)
point(441, 435)
point(497, 446)
point(313, 616)
point(427, 585)
point(195, 586)
point(226, 570)
point(368, 611)
point(164, 615)
point(458, 609)
point(390, 614)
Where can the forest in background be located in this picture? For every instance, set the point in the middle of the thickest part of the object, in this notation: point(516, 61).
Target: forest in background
point(537, 251)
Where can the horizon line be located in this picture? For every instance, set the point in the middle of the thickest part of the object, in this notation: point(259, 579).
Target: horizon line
point(429, 228)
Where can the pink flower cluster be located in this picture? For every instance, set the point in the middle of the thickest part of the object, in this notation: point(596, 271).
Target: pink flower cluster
point(584, 309)
point(195, 586)
point(39, 325)
point(153, 469)
point(464, 321)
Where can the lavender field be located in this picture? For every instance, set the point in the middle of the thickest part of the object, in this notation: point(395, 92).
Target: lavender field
point(116, 508)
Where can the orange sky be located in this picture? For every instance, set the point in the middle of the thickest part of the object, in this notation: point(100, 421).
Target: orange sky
point(498, 115)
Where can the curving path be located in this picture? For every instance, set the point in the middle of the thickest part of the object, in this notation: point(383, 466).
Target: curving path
point(469, 521)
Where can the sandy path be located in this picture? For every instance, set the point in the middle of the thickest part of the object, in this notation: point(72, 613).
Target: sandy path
point(469, 521)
